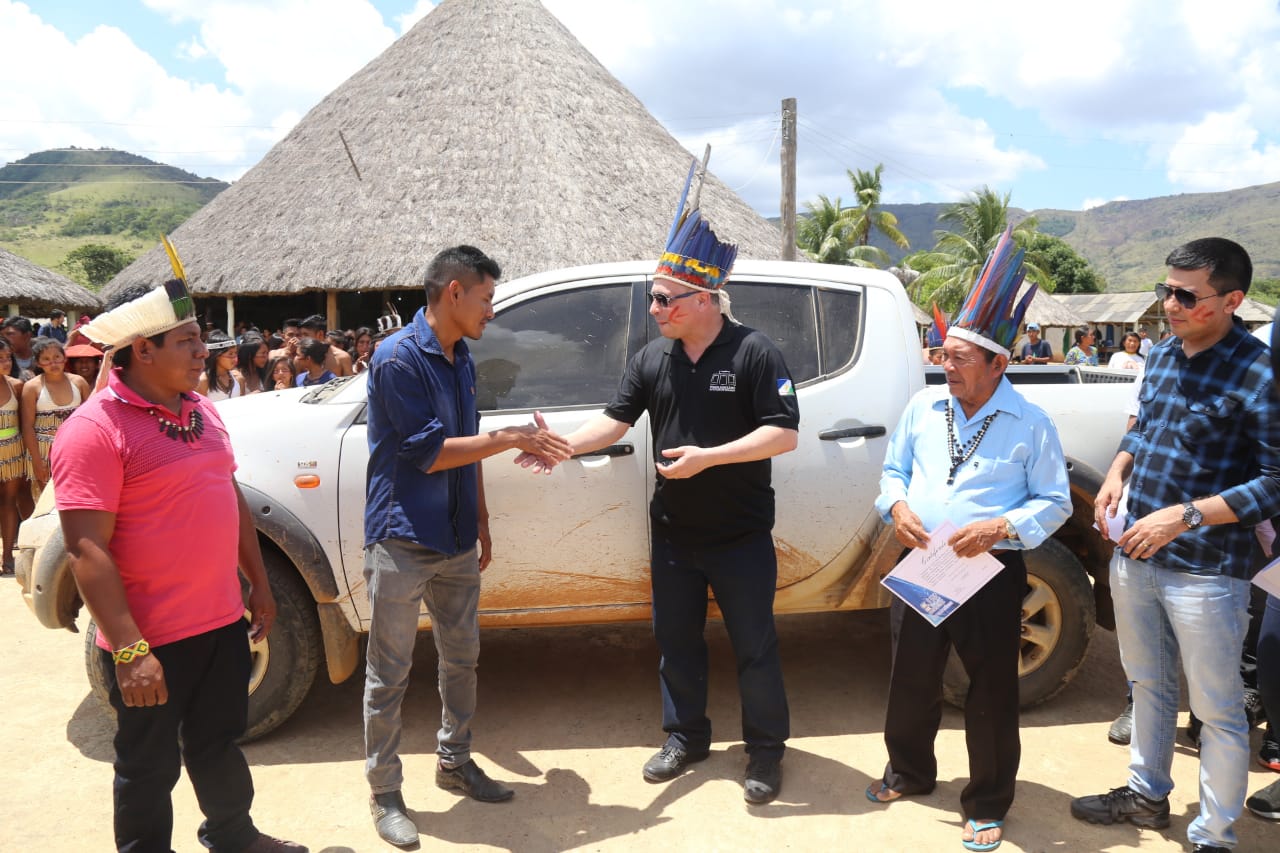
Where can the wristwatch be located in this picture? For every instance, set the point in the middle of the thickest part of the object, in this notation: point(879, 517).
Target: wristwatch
point(1010, 532)
point(1191, 516)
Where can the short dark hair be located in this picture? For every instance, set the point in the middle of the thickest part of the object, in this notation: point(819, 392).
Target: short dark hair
point(313, 349)
point(1227, 262)
point(1081, 332)
point(22, 324)
point(57, 312)
point(466, 264)
point(314, 322)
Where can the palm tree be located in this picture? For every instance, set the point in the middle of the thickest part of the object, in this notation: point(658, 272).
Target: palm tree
point(950, 269)
point(821, 234)
point(865, 217)
point(826, 236)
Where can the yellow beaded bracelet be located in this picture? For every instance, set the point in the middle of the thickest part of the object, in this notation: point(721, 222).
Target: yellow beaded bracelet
point(128, 653)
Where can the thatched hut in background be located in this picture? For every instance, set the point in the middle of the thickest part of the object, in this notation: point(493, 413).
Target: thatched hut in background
point(488, 123)
point(30, 290)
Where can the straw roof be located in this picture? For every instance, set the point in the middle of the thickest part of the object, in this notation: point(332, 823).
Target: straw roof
point(488, 123)
point(36, 290)
point(1046, 310)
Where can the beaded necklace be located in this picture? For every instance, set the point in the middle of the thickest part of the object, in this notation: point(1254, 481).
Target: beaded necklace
point(960, 454)
point(176, 430)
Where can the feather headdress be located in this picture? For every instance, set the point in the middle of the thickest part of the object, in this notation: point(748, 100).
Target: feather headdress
point(164, 308)
point(937, 333)
point(694, 256)
point(989, 317)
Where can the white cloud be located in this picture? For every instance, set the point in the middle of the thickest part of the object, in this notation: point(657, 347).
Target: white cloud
point(1224, 150)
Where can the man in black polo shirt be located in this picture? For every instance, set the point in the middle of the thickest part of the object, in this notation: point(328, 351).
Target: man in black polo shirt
point(720, 403)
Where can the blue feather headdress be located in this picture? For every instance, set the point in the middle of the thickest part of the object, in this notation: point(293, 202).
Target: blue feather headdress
point(989, 317)
point(694, 256)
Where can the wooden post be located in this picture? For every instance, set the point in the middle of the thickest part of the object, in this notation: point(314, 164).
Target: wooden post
point(231, 317)
point(331, 309)
point(789, 179)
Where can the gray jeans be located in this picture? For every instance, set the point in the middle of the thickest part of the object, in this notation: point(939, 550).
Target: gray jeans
point(400, 575)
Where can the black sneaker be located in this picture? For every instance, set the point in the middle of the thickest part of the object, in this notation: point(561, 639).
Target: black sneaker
point(1121, 805)
point(764, 779)
point(1266, 803)
point(1210, 848)
point(1193, 731)
point(1269, 752)
point(1254, 713)
point(1121, 730)
point(669, 762)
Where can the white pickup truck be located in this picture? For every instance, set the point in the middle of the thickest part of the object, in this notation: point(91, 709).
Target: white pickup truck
point(572, 547)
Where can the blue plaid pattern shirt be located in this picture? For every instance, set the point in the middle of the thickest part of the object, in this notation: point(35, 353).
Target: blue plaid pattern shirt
point(1207, 425)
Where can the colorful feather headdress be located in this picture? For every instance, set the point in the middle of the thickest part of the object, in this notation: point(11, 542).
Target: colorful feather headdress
point(164, 308)
point(989, 317)
point(694, 255)
point(937, 333)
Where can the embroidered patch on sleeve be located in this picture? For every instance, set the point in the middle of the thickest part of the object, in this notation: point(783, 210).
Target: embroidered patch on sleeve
point(785, 388)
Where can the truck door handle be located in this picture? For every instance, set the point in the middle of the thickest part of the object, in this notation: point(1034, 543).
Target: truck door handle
point(869, 431)
point(611, 450)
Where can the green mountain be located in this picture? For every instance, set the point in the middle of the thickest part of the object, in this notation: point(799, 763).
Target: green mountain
point(1127, 241)
point(52, 202)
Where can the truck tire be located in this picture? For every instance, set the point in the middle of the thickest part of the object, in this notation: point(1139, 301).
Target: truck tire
point(1057, 624)
point(282, 667)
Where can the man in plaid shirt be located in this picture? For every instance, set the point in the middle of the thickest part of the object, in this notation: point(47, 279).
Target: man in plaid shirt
point(1205, 460)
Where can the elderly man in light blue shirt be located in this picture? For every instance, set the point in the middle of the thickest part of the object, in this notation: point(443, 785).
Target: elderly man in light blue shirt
point(980, 456)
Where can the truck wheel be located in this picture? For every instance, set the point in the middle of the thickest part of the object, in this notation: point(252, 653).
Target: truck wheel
point(1057, 624)
point(282, 667)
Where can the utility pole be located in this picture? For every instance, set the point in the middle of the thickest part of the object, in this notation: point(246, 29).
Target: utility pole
point(789, 179)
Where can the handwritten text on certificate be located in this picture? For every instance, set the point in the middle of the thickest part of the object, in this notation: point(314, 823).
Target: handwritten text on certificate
point(934, 581)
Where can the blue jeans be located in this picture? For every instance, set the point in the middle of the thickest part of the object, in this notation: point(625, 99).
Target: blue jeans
point(1163, 616)
point(743, 576)
point(400, 576)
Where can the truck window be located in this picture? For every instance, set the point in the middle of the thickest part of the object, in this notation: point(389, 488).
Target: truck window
point(562, 349)
point(786, 313)
point(840, 317)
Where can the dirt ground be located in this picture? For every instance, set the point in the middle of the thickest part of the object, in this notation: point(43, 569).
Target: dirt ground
point(568, 716)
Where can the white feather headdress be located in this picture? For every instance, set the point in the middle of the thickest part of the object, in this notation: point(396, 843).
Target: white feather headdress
point(164, 308)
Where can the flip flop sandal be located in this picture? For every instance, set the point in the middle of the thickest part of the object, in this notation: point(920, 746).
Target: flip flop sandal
point(983, 827)
point(874, 795)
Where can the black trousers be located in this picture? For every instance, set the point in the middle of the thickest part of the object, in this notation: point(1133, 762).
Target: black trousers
point(208, 680)
point(743, 576)
point(986, 633)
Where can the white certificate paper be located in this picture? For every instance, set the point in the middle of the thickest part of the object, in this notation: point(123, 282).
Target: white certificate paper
point(934, 582)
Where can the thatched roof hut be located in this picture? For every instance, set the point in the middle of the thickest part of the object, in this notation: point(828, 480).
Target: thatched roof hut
point(33, 291)
point(487, 123)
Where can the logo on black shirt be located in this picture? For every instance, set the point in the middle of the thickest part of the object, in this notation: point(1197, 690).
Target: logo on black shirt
point(724, 380)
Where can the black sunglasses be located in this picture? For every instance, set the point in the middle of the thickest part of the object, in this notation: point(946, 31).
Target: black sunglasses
point(664, 300)
point(1185, 298)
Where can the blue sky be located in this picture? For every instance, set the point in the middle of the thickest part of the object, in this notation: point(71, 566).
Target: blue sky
point(1065, 106)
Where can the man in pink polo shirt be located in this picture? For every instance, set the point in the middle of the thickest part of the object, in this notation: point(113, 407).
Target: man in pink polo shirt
point(156, 526)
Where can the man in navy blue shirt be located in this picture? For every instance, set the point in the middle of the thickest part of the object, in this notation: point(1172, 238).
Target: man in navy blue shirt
point(424, 514)
point(1205, 461)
